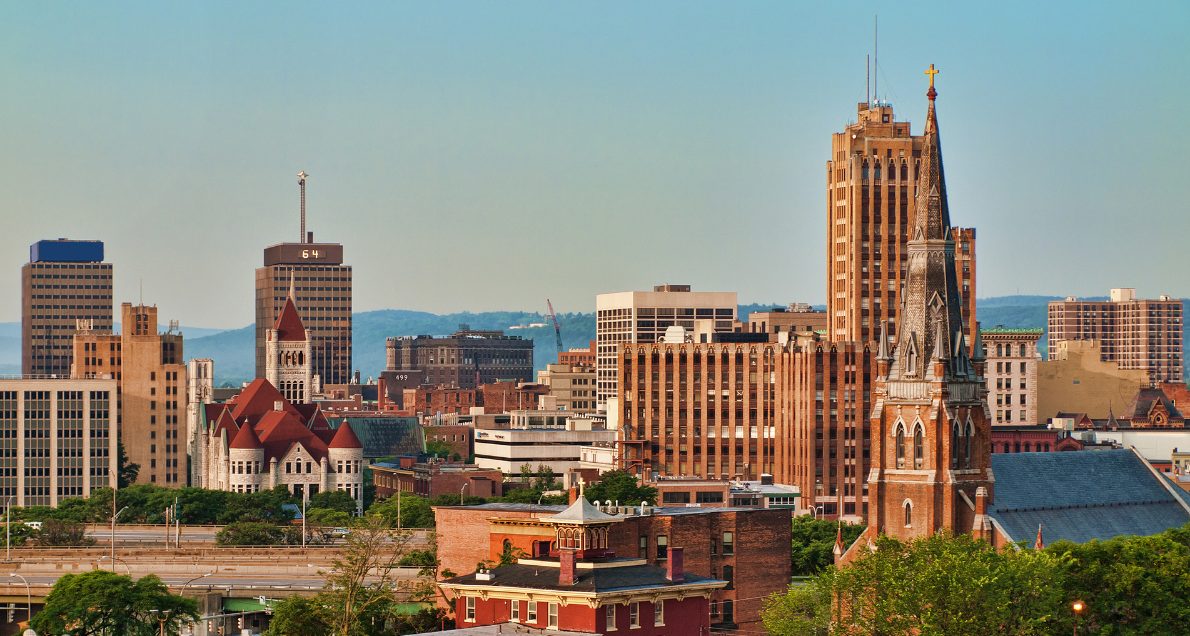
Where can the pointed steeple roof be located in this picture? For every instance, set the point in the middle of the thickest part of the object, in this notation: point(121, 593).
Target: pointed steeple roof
point(931, 313)
point(246, 439)
point(345, 437)
point(289, 324)
point(1039, 544)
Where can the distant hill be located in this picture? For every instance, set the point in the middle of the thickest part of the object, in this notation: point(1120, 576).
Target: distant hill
point(232, 350)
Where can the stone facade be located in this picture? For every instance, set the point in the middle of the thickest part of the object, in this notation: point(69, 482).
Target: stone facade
point(288, 363)
point(1012, 374)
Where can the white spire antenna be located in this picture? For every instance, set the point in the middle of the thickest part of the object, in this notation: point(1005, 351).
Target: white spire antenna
point(302, 184)
point(875, 63)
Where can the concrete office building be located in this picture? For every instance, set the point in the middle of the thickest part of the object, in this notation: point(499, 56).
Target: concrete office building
point(796, 318)
point(572, 387)
point(641, 316)
point(872, 179)
point(1136, 333)
point(151, 376)
point(321, 286)
point(57, 439)
point(466, 359)
point(64, 282)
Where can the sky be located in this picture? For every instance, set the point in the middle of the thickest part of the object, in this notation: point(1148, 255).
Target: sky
point(488, 155)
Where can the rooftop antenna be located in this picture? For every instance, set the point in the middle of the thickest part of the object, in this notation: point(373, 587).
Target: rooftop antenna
point(868, 78)
point(876, 60)
point(302, 184)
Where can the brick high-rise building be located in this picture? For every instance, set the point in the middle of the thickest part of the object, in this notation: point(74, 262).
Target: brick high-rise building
point(151, 375)
point(1012, 374)
point(64, 282)
point(699, 409)
point(871, 182)
point(1135, 333)
point(466, 359)
point(629, 317)
point(321, 286)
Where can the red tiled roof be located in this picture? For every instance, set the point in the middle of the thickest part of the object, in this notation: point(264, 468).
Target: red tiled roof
point(257, 399)
point(345, 437)
point(280, 430)
point(246, 439)
point(289, 323)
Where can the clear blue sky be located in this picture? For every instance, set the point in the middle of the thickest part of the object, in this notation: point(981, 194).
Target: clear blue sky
point(487, 155)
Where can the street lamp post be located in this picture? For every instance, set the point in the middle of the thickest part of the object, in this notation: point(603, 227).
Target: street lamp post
point(8, 529)
point(114, 517)
point(461, 491)
point(303, 519)
point(28, 596)
point(1078, 607)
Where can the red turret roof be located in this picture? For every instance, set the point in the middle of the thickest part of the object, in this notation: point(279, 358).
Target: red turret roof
point(246, 439)
point(345, 437)
point(289, 323)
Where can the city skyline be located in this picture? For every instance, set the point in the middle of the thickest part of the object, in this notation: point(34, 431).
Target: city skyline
point(462, 141)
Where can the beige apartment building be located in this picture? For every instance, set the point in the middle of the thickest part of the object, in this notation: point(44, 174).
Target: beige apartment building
point(796, 318)
point(1012, 360)
point(151, 377)
point(571, 386)
point(64, 282)
point(1135, 333)
point(642, 317)
point(871, 186)
point(57, 439)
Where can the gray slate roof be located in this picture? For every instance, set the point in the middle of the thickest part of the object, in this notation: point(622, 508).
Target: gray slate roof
point(586, 580)
point(1083, 495)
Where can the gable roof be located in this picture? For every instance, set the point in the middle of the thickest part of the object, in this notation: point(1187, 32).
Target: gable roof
point(246, 439)
point(256, 399)
point(280, 430)
point(289, 324)
point(1083, 495)
point(1147, 399)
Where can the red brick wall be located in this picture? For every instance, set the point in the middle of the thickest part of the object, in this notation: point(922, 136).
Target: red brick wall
point(684, 617)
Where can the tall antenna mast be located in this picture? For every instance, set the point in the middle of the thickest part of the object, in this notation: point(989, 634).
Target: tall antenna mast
point(302, 184)
point(868, 79)
point(875, 62)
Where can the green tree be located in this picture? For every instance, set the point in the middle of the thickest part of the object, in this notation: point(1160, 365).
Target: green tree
point(105, 603)
point(1131, 585)
point(621, 486)
point(257, 533)
point(327, 517)
point(298, 616)
point(55, 532)
point(415, 512)
point(814, 543)
point(362, 587)
point(128, 472)
point(941, 585)
point(333, 500)
point(438, 448)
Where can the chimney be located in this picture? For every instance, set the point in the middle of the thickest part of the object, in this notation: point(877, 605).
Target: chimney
point(278, 405)
point(981, 501)
point(566, 570)
point(573, 492)
point(673, 566)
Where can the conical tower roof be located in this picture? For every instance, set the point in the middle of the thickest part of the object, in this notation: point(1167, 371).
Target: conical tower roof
point(289, 323)
point(345, 437)
point(246, 439)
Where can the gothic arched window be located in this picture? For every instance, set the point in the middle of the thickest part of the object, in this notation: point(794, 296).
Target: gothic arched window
point(918, 447)
point(900, 445)
point(908, 513)
point(954, 445)
point(970, 437)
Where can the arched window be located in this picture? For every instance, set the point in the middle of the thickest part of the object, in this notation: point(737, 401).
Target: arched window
point(1016, 447)
point(970, 437)
point(954, 445)
point(1023, 354)
point(918, 446)
point(900, 445)
point(999, 349)
point(908, 514)
point(1028, 447)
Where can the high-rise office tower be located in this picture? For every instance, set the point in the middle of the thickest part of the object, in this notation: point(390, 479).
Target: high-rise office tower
point(628, 317)
point(151, 376)
point(322, 293)
point(871, 182)
point(64, 282)
point(1133, 332)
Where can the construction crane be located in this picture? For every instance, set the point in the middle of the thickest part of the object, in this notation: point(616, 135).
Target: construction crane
point(557, 329)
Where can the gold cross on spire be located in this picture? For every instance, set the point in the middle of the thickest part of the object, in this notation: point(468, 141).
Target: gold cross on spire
point(932, 72)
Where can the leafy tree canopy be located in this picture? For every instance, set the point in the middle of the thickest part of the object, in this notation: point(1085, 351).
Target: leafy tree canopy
point(103, 602)
point(621, 486)
point(332, 500)
point(814, 543)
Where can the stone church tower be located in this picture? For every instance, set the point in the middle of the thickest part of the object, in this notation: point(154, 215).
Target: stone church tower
point(930, 423)
point(287, 355)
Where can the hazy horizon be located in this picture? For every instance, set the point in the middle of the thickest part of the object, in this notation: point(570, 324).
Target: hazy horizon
point(476, 156)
